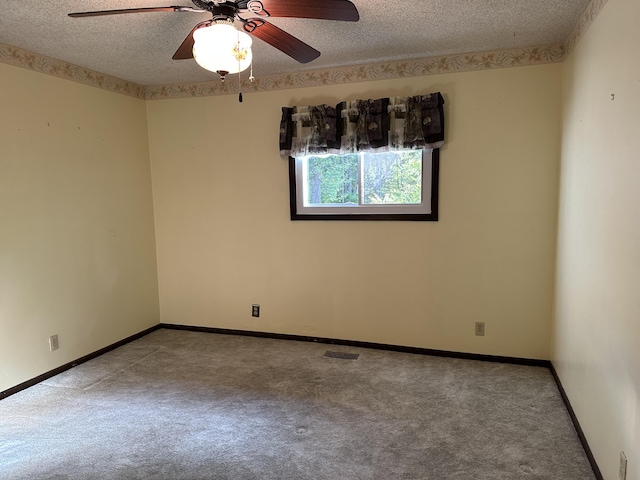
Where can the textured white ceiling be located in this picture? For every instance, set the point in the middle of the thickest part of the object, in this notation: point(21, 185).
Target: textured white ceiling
point(138, 47)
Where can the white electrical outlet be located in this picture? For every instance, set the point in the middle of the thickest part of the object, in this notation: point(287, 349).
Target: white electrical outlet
point(53, 343)
point(480, 329)
point(622, 469)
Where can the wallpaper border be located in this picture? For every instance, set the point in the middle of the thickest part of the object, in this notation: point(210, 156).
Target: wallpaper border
point(586, 19)
point(361, 73)
point(466, 62)
point(39, 63)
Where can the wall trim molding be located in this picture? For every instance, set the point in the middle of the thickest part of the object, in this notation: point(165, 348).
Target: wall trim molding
point(279, 336)
point(67, 366)
point(576, 424)
point(531, 362)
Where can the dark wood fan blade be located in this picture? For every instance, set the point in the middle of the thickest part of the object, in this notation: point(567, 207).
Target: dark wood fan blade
point(185, 50)
point(134, 10)
point(321, 9)
point(278, 38)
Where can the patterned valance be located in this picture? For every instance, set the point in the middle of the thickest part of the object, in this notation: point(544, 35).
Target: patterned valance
point(395, 123)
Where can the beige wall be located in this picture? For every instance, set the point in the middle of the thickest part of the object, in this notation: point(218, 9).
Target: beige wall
point(225, 240)
point(77, 251)
point(597, 326)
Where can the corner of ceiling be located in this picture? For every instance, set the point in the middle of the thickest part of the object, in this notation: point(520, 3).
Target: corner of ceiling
point(586, 19)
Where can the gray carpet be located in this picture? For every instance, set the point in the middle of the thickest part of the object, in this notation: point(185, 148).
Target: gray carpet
point(186, 405)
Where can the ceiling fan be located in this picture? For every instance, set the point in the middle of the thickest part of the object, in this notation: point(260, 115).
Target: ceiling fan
point(228, 11)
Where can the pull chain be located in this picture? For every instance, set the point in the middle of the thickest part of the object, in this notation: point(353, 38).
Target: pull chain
point(239, 75)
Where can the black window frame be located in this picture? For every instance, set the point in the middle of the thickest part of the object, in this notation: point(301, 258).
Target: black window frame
point(422, 217)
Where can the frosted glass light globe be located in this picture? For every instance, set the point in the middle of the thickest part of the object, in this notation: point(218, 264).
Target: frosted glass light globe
point(222, 48)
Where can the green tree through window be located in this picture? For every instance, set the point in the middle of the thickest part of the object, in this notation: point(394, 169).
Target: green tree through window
point(387, 178)
point(333, 179)
point(392, 178)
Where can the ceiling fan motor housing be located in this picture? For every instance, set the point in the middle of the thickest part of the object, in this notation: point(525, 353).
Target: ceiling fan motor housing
point(219, 10)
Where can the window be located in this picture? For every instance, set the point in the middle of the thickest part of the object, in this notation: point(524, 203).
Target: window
point(393, 185)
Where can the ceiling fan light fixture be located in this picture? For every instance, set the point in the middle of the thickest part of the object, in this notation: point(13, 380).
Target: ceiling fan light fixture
point(222, 48)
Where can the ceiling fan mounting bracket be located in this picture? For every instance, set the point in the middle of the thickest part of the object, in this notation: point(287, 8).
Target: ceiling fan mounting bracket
point(230, 10)
point(218, 9)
